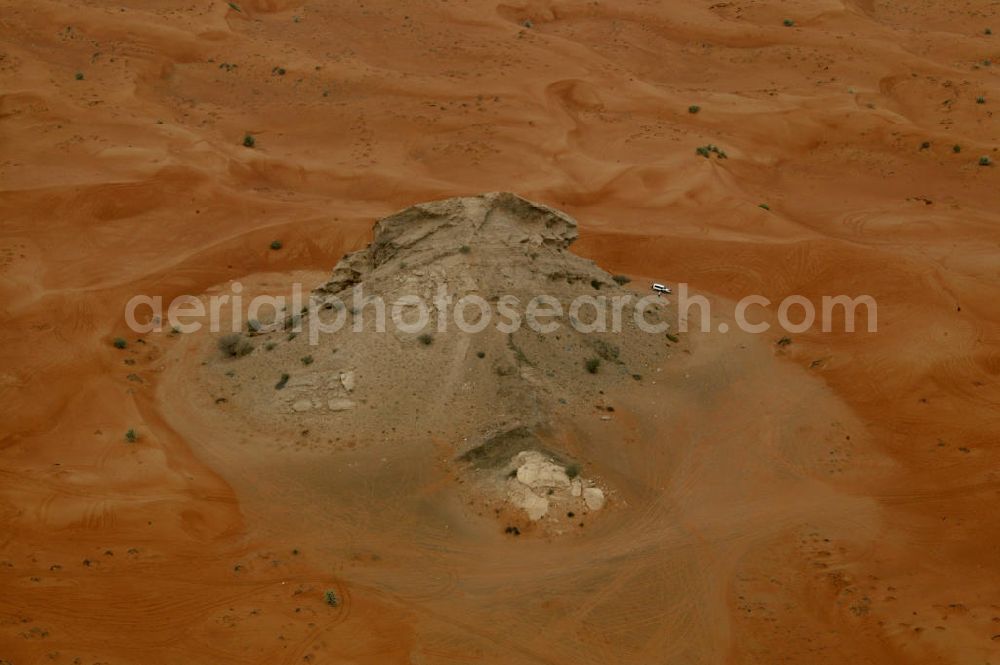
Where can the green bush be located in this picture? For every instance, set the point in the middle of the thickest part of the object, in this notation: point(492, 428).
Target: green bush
point(621, 280)
point(249, 141)
point(120, 343)
point(573, 470)
point(980, 100)
point(985, 161)
point(592, 365)
point(131, 436)
point(788, 22)
point(956, 148)
point(307, 360)
point(465, 249)
point(694, 108)
point(281, 382)
point(784, 341)
point(673, 338)
point(78, 76)
point(276, 245)
point(426, 339)
point(706, 151)
point(764, 206)
point(330, 598)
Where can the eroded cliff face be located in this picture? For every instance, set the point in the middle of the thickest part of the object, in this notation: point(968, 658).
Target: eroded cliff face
point(503, 227)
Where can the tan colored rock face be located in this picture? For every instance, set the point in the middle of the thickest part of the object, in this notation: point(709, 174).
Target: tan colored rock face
point(593, 497)
point(538, 473)
point(302, 405)
point(347, 380)
point(534, 505)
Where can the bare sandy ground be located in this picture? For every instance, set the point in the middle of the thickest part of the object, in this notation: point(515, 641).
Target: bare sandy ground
point(831, 501)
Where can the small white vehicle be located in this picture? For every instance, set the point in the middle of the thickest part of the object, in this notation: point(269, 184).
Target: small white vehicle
point(661, 288)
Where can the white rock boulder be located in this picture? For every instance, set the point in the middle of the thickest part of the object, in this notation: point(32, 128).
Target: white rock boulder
point(593, 497)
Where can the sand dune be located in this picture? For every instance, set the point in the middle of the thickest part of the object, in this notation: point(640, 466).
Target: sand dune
point(826, 501)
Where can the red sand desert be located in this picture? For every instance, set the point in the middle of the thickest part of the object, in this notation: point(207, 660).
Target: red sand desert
point(827, 499)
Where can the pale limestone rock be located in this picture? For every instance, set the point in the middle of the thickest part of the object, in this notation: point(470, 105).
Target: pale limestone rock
point(302, 405)
point(521, 496)
point(537, 472)
point(347, 380)
point(303, 381)
point(594, 498)
point(339, 404)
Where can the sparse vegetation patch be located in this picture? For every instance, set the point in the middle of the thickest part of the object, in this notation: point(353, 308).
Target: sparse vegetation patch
point(235, 345)
point(707, 151)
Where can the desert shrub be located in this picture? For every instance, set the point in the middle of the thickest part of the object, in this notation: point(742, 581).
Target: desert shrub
point(764, 206)
point(282, 381)
point(985, 161)
point(78, 76)
point(280, 71)
point(573, 470)
point(788, 23)
point(988, 31)
point(465, 249)
point(253, 325)
point(276, 245)
point(673, 338)
point(480, 354)
point(330, 598)
point(956, 148)
point(621, 280)
point(707, 151)
point(249, 141)
point(307, 360)
point(270, 346)
point(120, 343)
point(234, 6)
point(784, 341)
point(694, 108)
point(980, 100)
point(607, 351)
point(925, 145)
point(595, 283)
point(426, 339)
point(592, 365)
point(131, 436)
point(234, 345)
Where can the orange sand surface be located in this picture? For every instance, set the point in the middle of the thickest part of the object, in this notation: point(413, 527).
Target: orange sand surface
point(830, 501)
